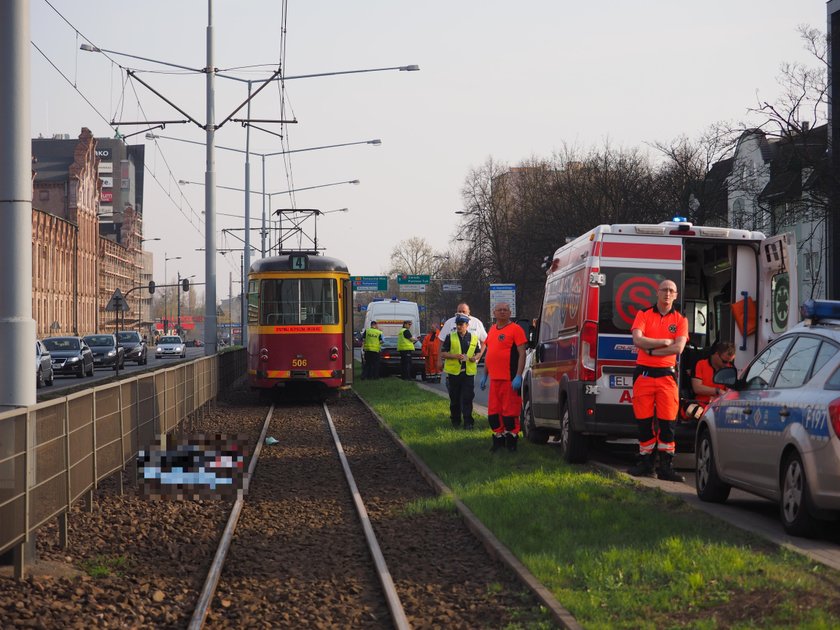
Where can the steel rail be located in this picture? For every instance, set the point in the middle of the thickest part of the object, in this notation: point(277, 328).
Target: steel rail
point(393, 600)
point(215, 572)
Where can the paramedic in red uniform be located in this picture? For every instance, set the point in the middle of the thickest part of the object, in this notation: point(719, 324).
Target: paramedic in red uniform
point(702, 378)
point(503, 366)
point(660, 333)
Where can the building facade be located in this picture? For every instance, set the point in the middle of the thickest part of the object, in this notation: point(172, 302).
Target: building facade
point(79, 259)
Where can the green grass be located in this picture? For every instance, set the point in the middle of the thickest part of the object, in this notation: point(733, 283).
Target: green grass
point(104, 566)
point(614, 553)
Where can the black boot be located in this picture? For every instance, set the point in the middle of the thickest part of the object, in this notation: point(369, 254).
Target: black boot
point(643, 467)
point(498, 442)
point(510, 441)
point(666, 471)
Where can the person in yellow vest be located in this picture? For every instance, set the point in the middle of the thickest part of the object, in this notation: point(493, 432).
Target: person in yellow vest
point(371, 346)
point(405, 346)
point(461, 352)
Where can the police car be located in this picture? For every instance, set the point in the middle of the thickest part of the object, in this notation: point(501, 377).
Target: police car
point(776, 432)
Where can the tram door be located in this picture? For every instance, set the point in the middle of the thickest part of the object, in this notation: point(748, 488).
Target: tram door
point(346, 298)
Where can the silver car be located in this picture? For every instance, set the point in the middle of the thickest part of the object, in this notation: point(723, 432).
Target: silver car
point(170, 346)
point(776, 433)
point(44, 374)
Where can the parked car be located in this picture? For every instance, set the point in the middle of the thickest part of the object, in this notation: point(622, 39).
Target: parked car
point(134, 346)
point(106, 351)
point(44, 374)
point(776, 432)
point(170, 346)
point(389, 359)
point(70, 355)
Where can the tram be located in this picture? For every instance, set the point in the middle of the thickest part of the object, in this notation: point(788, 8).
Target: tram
point(300, 323)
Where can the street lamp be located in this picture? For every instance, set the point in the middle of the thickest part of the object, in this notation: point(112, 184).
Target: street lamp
point(166, 259)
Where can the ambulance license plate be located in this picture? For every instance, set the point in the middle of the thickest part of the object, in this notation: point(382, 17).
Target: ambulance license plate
point(621, 381)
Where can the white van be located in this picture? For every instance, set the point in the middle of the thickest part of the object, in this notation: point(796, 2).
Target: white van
point(389, 316)
point(578, 382)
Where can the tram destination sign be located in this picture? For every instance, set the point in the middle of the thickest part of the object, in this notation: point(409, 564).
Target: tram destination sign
point(369, 283)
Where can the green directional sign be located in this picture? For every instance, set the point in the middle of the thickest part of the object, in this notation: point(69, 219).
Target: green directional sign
point(413, 279)
point(369, 283)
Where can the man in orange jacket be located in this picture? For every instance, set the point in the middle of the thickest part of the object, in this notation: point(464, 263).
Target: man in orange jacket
point(660, 333)
point(431, 350)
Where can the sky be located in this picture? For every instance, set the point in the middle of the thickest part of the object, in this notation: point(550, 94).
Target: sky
point(511, 81)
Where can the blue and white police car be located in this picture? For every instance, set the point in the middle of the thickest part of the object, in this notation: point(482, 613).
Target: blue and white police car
point(776, 431)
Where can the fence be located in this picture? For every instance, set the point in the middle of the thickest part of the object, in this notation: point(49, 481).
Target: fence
point(54, 453)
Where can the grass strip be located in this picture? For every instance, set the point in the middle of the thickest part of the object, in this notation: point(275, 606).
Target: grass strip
point(614, 553)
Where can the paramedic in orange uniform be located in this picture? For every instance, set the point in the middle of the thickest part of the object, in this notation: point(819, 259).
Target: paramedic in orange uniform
point(505, 348)
point(660, 333)
point(702, 378)
point(431, 350)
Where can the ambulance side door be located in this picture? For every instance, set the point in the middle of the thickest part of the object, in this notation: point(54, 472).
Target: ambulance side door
point(778, 308)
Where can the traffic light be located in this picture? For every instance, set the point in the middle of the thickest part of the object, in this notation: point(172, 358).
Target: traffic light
point(185, 284)
point(151, 286)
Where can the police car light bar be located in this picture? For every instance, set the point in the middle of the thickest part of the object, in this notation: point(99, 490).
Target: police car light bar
point(816, 310)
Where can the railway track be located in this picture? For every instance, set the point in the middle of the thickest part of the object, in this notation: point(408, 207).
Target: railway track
point(299, 554)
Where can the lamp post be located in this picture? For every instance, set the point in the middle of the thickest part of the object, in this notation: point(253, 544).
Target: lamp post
point(166, 259)
point(180, 279)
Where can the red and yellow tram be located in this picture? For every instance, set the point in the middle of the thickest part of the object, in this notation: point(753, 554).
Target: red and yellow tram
point(300, 322)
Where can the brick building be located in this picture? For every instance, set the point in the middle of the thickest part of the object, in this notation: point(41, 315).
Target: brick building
point(78, 260)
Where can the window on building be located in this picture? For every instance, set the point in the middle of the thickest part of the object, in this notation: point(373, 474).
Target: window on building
point(43, 195)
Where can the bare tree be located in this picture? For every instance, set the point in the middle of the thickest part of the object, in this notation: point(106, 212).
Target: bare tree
point(412, 256)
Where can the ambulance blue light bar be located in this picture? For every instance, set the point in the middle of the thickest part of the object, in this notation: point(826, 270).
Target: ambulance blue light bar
point(816, 310)
point(679, 220)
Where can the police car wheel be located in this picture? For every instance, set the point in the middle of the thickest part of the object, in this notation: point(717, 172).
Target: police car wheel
point(707, 483)
point(793, 507)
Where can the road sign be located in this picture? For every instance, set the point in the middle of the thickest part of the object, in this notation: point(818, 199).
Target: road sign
point(413, 279)
point(453, 287)
point(412, 288)
point(369, 283)
point(117, 302)
point(503, 293)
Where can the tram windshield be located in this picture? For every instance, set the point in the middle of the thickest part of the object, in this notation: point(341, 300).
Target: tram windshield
point(298, 301)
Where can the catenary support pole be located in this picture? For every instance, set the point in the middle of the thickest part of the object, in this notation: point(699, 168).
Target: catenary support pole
point(17, 327)
point(210, 326)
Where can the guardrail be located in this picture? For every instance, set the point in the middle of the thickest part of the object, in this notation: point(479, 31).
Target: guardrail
point(54, 453)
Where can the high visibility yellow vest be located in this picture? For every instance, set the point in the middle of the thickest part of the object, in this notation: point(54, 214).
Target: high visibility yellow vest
point(403, 343)
point(373, 340)
point(453, 366)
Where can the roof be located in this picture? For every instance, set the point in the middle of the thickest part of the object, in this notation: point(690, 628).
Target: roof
point(283, 263)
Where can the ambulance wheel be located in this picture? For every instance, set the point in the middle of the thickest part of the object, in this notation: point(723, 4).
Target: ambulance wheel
point(573, 444)
point(529, 427)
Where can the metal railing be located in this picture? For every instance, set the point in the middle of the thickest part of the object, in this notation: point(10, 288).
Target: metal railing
point(54, 453)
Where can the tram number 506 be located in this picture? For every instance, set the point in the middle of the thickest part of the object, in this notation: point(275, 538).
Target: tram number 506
point(298, 362)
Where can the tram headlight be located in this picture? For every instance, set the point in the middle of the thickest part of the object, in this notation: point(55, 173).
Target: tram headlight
point(263, 354)
point(333, 354)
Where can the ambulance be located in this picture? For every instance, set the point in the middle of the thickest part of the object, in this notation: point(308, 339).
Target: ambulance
point(734, 285)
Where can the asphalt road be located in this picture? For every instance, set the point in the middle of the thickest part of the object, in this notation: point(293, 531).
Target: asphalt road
point(64, 384)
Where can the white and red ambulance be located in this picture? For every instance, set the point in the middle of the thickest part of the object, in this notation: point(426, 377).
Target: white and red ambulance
point(734, 285)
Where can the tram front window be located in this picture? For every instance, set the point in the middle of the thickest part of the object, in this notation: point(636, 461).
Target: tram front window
point(299, 301)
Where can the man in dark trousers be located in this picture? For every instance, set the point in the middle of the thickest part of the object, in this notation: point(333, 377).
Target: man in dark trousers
point(371, 346)
point(461, 352)
point(503, 367)
point(405, 346)
point(660, 333)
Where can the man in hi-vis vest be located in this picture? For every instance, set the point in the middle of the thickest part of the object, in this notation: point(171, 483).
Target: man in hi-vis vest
point(405, 346)
point(461, 351)
point(371, 346)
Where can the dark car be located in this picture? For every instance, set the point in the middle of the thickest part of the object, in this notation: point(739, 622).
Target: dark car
point(70, 356)
point(389, 359)
point(134, 346)
point(43, 365)
point(106, 351)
